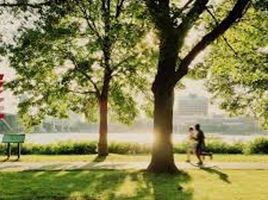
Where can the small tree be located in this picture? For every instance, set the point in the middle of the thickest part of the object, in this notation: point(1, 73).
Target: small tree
point(81, 56)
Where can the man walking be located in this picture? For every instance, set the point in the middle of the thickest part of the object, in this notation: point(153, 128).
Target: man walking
point(200, 147)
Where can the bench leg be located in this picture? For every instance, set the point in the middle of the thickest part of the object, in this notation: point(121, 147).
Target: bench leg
point(19, 150)
point(8, 150)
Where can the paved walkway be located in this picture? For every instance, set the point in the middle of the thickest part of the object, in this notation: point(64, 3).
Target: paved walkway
point(51, 166)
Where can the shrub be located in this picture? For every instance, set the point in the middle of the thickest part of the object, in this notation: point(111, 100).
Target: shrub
point(257, 146)
point(180, 147)
point(61, 148)
point(2, 149)
point(129, 148)
point(214, 146)
point(218, 146)
point(236, 148)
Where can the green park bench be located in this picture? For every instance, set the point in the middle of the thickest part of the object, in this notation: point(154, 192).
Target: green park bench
point(13, 138)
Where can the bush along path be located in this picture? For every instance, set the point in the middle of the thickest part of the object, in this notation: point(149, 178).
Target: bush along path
point(256, 146)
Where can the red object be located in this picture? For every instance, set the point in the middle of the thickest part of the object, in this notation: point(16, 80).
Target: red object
point(1, 98)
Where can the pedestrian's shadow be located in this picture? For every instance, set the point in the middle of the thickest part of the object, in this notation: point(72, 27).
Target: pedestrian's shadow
point(224, 177)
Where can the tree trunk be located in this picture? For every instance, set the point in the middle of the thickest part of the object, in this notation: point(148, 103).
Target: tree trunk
point(162, 152)
point(103, 127)
point(163, 90)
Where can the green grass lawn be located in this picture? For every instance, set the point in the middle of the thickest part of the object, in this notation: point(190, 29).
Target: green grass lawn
point(209, 184)
point(134, 158)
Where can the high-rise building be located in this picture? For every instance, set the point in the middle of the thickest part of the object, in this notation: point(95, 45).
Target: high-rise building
point(192, 105)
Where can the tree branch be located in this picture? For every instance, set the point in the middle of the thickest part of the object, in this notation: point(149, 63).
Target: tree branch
point(124, 60)
point(124, 69)
point(81, 92)
point(107, 40)
point(188, 21)
point(119, 7)
point(72, 58)
point(224, 38)
point(90, 22)
point(160, 12)
point(179, 13)
point(198, 7)
point(234, 15)
point(27, 4)
point(186, 5)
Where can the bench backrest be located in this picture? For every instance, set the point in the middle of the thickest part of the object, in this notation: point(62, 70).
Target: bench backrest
point(13, 138)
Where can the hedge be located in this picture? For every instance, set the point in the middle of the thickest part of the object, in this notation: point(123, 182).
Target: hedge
point(256, 146)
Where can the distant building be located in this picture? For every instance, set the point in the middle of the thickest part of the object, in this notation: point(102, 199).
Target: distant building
point(192, 105)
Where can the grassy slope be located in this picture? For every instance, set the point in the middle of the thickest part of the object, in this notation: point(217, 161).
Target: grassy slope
point(136, 158)
point(109, 184)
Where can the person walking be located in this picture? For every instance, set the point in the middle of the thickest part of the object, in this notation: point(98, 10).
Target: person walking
point(191, 143)
point(200, 146)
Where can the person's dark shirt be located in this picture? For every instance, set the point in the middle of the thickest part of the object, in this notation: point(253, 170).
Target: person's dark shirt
point(200, 136)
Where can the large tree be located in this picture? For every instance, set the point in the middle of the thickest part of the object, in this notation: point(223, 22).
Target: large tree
point(173, 23)
point(76, 56)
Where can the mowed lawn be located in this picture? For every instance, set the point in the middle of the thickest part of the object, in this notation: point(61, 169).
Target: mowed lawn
point(131, 158)
point(210, 184)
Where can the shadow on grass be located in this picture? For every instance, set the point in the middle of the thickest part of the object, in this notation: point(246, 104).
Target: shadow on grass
point(9, 159)
point(93, 184)
point(168, 186)
point(4, 159)
point(99, 158)
point(224, 177)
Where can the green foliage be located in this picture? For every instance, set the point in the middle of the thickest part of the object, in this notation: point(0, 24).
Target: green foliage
point(123, 104)
point(180, 147)
point(200, 72)
point(129, 148)
point(62, 60)
point(60, 148)
point(257, 146)
point(261, 4)
point(218, 146)
point(215, 146)
point(239, 79)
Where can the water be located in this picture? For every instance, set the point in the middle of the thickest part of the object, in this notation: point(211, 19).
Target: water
point(48, 138)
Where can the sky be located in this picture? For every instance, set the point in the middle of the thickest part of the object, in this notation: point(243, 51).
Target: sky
point(7, 30)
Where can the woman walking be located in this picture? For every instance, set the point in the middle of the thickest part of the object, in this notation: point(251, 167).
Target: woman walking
point(191, 143)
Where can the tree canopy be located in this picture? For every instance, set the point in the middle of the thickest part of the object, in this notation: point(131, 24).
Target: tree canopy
point(61, 62)
point(236, 67)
